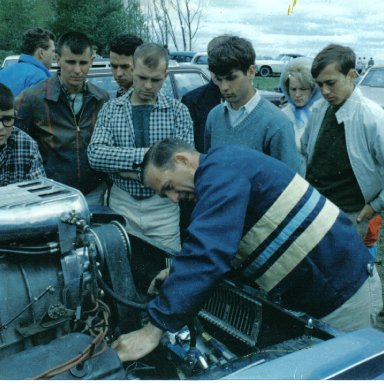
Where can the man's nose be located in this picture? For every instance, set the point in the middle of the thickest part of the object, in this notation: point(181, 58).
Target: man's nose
point(119, 72)
point(148, 84)
point(325, 89)
point(224, 85)
point(77, 68)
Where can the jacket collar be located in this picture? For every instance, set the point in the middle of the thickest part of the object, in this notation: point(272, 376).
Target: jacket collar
point(346, 111)
point(162, 102)
point(24, 58)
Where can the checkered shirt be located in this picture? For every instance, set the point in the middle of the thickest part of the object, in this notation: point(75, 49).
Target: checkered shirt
point(20, 159)
point(112, 148)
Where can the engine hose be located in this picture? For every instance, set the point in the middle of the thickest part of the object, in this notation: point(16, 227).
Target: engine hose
point(119, 299)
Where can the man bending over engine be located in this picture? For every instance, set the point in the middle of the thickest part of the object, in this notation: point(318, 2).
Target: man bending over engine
point(19, 154)
point(257, 217)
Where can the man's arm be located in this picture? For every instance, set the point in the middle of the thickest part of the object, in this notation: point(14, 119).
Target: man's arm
point(207, 133)
point(283, 145)
point(137, 344)
point(111, 148)
point(25, 112)
point(203, 261)
point(184, 124)
point(36, 169)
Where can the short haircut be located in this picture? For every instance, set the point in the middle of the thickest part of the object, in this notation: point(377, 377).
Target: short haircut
point(343, 56)
point(160, 155)
point(34, 39)
point(151, 54)
point(300, 69)
point(6, 98)
point(230, 53)
point(124, 44)
point(77, 42)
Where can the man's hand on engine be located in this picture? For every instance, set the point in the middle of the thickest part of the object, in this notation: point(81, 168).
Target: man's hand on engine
point(137, 344)
point(158, 281)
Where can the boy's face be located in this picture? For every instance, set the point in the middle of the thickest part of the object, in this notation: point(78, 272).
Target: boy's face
point(334, 85)
point(74, 68)
point(7, 118)
point(236, 87)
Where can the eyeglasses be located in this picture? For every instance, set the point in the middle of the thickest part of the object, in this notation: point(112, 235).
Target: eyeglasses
point(7, 121)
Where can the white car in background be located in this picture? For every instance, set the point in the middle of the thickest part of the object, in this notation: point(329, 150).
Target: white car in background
point(371, 84)
point(274, 67)
point(200, 58)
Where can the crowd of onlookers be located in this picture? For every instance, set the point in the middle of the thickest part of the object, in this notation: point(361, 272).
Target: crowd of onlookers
point(281, 195)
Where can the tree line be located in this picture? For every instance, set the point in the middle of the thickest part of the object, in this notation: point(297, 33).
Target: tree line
point(162, 21)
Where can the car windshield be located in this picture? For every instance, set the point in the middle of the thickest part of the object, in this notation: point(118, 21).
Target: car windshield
point(374, 78)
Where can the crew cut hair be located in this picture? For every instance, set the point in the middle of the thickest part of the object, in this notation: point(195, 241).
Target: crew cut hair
point(34, 39)
point(151, 54)
point(124, 44)
point(160, 155)
point(230, 53)
point(343, 56)
point(77, 42)
point(6, 98)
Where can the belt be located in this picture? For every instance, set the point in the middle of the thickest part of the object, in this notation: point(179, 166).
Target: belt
point(140, 197)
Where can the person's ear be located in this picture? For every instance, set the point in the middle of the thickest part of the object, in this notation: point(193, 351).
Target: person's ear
point(352, 74)
point(251, 72)
point(181, 158)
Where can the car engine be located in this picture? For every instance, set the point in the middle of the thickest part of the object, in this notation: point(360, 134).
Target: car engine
point(73, 280)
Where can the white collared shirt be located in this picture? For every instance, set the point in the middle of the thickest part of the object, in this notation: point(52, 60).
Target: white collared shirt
point(236, 116)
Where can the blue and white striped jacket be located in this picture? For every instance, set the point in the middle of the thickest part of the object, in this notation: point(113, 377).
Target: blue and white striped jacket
point(254, 215)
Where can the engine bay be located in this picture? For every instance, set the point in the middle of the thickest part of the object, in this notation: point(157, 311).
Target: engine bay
point(73, 280)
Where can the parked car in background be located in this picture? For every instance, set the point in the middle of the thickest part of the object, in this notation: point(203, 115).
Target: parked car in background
point(274, 67)
point(9, 60)
point(182, 56)
point(200, 58)
point(97, 63)
point(182, 78)
point(371, 84)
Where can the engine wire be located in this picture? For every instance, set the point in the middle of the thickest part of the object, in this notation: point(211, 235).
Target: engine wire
point(87, 353)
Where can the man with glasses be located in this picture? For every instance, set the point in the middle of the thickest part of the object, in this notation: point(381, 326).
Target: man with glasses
point(20, 158)
point(37, 53)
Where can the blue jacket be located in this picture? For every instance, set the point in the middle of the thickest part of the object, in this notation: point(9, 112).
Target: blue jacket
point(257, 217)
point(199, 102)
point(27, 72)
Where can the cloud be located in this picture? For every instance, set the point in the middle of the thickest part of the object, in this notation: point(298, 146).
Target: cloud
point(312, 25)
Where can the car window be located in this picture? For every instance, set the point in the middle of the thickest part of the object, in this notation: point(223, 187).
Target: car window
point(202, 60)
point(167, 87)
point(185, 82)
point(374, 78)
point(106, 82)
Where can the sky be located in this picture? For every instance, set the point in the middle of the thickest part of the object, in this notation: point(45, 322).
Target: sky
point(311, 26)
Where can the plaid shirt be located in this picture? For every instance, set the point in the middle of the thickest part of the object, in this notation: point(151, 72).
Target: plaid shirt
point(112, 148)
point(20, 159)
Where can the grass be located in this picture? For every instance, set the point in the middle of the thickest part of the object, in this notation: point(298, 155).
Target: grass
point(266, 83)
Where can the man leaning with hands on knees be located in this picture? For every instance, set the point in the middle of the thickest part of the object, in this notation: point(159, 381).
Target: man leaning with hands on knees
point(255, 216)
